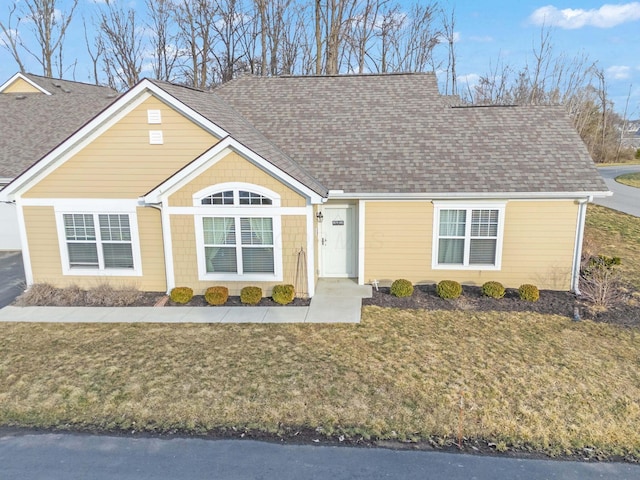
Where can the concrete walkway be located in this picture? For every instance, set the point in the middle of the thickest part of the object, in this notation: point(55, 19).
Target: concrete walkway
point(336, 301)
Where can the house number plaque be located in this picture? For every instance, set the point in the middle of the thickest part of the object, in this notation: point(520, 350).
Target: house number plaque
point(337, 222)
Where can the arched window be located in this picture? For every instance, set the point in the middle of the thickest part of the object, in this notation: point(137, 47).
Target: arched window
point(238, 232)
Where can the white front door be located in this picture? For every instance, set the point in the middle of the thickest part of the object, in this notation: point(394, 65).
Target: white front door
point(338, 241)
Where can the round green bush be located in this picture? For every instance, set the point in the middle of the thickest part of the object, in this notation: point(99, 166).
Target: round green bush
point(528, 292)
point(493, 289)
point(283, 294)
point(216, 295)
point(449, 289)
point(402, 288)
point(181, 294)
point(251, 295)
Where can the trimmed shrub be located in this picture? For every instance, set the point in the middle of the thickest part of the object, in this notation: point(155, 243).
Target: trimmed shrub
point(283, 294)
point(402, 288)
point(216, 295)
point(449, 289)
point(251, 295)
point(528, 292)
point(181, 294)
point(637, 155)
point(493, 289)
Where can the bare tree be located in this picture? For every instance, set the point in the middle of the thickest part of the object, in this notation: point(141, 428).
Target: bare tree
point(11, 36)
point(362, 32)
point(231, 33)
point(120, 41)
point(195, 19)
point(165, 51)
point(48, 23)
point(449, 35)
point(95, 55)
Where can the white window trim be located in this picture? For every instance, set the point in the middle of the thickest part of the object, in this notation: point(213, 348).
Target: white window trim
point(236, 187)
point(255, 277)
point(439, 206)
point(237, 211)
point(136, 271)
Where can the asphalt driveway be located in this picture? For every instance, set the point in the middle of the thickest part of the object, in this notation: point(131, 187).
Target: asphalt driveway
point(12, 280)
point(625, 199)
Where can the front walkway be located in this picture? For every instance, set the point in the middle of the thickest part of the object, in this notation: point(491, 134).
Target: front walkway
point(336, 301)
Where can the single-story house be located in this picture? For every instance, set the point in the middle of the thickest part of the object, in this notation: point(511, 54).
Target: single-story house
point(37, 114)
point(269, 179)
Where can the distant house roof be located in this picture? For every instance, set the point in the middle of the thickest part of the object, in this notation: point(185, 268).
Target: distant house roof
point(32, 124)
point(396, 134)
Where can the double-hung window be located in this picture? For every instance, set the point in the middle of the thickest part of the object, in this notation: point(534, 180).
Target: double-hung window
point(468, 236)
point(98, 243)
point(238, 232)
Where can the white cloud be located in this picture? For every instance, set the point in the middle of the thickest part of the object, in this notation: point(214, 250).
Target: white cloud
point(481, 39)
point(619, 72)
point(470, 79)
point(606, 16)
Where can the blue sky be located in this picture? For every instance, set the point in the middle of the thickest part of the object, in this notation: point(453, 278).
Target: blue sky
point(488, 32)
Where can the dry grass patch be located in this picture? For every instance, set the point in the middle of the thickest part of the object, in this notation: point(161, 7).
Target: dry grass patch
point(630, 179)
point(615, 234)
point(529, 381)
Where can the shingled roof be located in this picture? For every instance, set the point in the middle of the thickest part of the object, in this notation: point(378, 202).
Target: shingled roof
point(396, 134)
point(212, 107)
point(32, 124)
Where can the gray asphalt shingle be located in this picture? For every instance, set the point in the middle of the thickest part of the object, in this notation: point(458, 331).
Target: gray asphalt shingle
point(33, 124)
point(396, 134)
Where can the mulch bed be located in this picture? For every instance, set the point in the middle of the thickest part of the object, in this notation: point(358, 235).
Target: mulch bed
point(626, 313)
point(232, 301)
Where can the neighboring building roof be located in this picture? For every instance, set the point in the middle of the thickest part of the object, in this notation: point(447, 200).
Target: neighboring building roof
point(396, 134)
point(32, 124)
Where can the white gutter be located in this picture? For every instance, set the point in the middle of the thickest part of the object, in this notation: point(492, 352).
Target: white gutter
point(336, 194)
point(577, 250)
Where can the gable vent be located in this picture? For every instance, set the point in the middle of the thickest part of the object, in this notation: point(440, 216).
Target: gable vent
point(155, 137)
point(154, 117)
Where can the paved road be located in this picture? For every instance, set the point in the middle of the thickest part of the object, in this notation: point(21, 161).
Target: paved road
point(625, 199)
point(69, 456)
point(11, 277)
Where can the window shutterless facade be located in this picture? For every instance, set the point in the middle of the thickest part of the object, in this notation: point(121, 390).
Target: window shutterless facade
point(98, 243)
point(238, 233)
point(468, 236)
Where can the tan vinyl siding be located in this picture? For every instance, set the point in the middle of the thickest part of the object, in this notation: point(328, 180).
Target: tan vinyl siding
point(397, 241)
point(121, 163)
point(46, 264)
point(234, 168)
point(538, 245)
point(151, 250)
point(42, 238)
point(19, 85)
point(186, 266)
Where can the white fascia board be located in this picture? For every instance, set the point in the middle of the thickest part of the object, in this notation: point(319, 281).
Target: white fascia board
point(213, 155)
point(103, 121)
point(184, 109)
point(19, 75)
point(467, 195)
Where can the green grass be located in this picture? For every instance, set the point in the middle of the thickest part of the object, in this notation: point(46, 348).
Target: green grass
point(613, 233)
point(630, 179)
point(528, 381)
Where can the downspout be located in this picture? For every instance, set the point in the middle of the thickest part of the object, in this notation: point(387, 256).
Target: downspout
point(577, 251)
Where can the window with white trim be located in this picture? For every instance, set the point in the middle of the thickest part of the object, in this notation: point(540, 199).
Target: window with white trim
point(109, 246)
point(250, 252)
point(238, 232)
point(469, 237)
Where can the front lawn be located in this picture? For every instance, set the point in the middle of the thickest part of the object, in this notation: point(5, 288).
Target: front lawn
point(613, 233)
point(525, 381)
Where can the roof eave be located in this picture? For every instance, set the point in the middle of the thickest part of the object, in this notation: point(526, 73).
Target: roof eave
point(340, 195)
